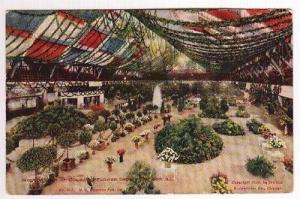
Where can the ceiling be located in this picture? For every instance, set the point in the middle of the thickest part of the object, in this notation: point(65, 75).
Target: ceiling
point(248, 43)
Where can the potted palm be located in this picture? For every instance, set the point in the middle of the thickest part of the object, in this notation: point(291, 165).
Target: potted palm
point(168, 155)
point(121, 153)
point(109, 161)
point(136, 140)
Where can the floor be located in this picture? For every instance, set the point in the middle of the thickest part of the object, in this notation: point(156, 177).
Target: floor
point(179, 178)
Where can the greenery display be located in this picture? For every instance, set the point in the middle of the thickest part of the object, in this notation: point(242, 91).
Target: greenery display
point(224, 105)
point(105, 114)
point(10, 145)
point(139, 114)
point(130, 116)
point(192, 141)
point(241, 112)
point(141, 177)
point(36, 126)
point(54, 130)
point(116, 112)
point(36, 158)
point(113, 126)
point(139, 92)
point(66, 140)
point(85, 138)
point(219, 184)
point(162, 108)
point(232, 101)
point(92, 117)
point(259, 166)
point(212, 108)
point(99, 126)
point(271, 107)
point(254, 126)
point(228, 127)
point(137, 123)
point(149, 108)
point(180, 104)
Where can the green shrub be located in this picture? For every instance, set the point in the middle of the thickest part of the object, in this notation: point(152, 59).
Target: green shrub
point(130, 115)
point(85, 137)
point(254, 125)
point(213, 108)
point(139, 114)
point(140, 177)
point(193, 142)
point(242, 113)
point(228, 127)
point(10, 145)
point(259, 166)
point(99, 126)
point(66, 140)
point(224, 105)
point(105, 114)
point(232, 101)
point(113, 126)
point(180, 104)
point(92, 117)
point(36, 158)
point(36, 126)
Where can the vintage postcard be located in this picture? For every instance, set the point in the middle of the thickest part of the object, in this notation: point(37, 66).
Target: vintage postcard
point(149, 101)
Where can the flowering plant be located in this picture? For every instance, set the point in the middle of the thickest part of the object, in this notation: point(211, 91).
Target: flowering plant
point(136, 139)
point(109, 160)
point(219, 183)
point(93, 143)
point(121, 152)
point(275, 142)
point(81, 154)
point(288, 163)
point(168, 155)
point(266, 133)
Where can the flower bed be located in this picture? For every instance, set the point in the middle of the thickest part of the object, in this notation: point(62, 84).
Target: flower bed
point(192, 141)
point(254, 126)
point(219, 184)
point(228, 127)
point(259, 166)
point(275, 142)
point(266, 132)
point(241, 112)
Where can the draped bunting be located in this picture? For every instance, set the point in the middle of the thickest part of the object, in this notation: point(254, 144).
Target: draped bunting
point(45, 51)
point(220, 40)
point(92, 39)
point(223, 14)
